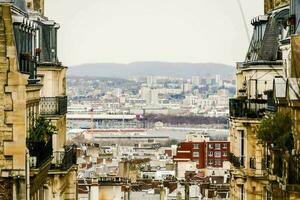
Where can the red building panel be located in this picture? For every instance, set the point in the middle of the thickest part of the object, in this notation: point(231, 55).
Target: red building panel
point(211, 153)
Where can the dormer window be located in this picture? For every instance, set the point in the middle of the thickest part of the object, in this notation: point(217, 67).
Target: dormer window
point(25, 32)
point(48, 42)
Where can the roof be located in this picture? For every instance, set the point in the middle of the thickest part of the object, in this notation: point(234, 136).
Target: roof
point(265, 40)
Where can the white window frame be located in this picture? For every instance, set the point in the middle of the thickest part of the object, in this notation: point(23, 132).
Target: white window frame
point(196, 146)
point(217, 152)
point(198, 154)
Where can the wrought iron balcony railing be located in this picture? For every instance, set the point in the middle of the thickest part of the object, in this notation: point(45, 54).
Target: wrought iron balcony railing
point(277, 164)
point(53, 105)
point(65, 159)
point(247, 108)
point(40, 152)
point(237, 162)
point(265, 163)
point(294, 170)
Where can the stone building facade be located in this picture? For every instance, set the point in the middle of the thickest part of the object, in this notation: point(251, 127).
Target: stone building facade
point(267, 82)
point(33, 84)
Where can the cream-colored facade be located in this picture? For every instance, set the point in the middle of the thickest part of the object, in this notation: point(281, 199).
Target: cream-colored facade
point(267, 82)
point(33, 84)
point(249, 177)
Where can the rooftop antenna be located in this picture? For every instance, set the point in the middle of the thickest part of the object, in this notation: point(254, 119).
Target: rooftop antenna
point(244, 19)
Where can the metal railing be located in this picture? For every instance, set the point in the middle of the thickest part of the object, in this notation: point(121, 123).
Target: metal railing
point(277, 164)
point(237, 162)
point(294, 170)
point(65, 159)
point(53, 105)
point(265, 163)
point(247, 108)
point(40, 152)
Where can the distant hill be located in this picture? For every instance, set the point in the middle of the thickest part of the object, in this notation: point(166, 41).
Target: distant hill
point(150, 68)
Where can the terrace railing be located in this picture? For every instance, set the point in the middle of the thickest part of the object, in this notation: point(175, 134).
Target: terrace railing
point(294, 170)
point(53, 105)
point(247, 108)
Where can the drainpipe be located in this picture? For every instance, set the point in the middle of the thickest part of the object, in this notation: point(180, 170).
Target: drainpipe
point(27, 174)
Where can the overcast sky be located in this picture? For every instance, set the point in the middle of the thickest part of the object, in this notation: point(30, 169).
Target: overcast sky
point(123, 31)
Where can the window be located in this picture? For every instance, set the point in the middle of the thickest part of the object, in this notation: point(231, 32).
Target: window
point(224, 153)
point(242, 195)
point(242, 147)
point(196, 154)
point(211, 146)
point(224, 146)
point(210, 153)
point(25, 45)
point(32, 112)
point(195, 146)
point(217, 153)
point(210, 162)
point(218, 146)
point(218, 162)
point(268, 195)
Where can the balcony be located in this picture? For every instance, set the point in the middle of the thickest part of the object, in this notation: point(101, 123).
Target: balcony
point(237, 162)
point(277, 164)
point(40, 153)
point(265, 163)
point(247, 108)
point(65, 159)
point(50, 106)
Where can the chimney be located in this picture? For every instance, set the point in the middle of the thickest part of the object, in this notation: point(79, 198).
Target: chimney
point(38, 5)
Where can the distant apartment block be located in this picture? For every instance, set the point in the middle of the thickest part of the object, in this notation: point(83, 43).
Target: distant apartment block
point(205, 153)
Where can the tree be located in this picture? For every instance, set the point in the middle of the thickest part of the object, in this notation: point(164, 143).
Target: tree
point(42, 130)
point(275, 131)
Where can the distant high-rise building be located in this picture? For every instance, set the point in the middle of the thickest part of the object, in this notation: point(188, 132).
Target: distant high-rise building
point(151, 81)
point(145, 93)
point(187, 87)
point(196, 80)
point(154, 97)
point(218, 80)
point(203, 81)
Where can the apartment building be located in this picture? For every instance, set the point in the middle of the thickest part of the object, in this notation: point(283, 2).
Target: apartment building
point(33, 86)
point(206, 153)
point(264, 87)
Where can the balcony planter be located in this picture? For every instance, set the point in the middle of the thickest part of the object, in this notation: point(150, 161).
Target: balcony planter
point(41, 151)
point(38, 51)
point(26, 56)
point(234, 160)
point(39, 142)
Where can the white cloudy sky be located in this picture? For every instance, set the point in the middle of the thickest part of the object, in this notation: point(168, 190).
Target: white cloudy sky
point(124, 31)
